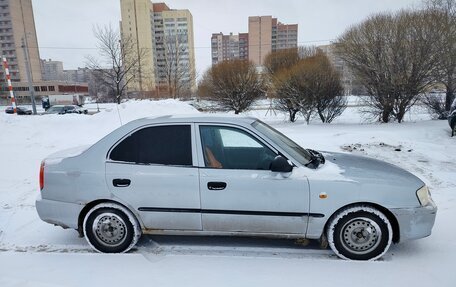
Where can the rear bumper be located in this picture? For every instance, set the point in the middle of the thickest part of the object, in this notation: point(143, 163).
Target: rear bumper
point(415, 223)
point(59, 213)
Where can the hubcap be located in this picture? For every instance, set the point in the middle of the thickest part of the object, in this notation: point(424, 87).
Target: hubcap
point(109, 229)
point(360, 235)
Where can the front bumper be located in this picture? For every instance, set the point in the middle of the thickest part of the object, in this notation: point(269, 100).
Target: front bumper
point(59, 213)
point(415, 223)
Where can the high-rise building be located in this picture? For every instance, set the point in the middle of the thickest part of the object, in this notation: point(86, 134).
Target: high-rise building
point(267, 34)
point(17, 29)
point(284, 36)
point(229, 47)
point(52, 70)
point(168, 36)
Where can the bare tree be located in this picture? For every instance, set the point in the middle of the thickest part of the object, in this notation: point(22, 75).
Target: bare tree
point(280, 81)
point(174, 63)
point(281, 59)
point(119, 61)
point(326, 86)
point(394, 56)
point(292, 96)
point(435, 105)
point(234, 84)
point(312, 86)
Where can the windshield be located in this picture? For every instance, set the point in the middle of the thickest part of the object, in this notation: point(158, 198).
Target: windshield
point(296, 151)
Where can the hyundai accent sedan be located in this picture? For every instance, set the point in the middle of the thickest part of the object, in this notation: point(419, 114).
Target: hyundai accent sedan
point(197, 175)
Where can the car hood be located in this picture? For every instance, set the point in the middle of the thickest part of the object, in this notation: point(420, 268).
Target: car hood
point(368, 170)
point(71, 152)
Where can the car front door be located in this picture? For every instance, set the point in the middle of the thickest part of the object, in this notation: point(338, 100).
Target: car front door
point(154, 170)
point(239, 193)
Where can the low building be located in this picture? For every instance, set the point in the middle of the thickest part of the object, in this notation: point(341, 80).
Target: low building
point(44, 88)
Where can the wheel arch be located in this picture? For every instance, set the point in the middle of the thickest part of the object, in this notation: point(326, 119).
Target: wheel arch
point(393, 220)
point(94, 203)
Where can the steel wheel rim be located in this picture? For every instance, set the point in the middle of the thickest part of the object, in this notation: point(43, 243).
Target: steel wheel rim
point(109, 229)
point(360, 235)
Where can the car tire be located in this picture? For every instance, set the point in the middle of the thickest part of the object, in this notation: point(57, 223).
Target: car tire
point(111, 228)
point(453, 130)
point(359, 233)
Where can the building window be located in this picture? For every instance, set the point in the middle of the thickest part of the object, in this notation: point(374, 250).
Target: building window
point(37, 89)
point(181, 19)
point(44, 88)
point(51, 89)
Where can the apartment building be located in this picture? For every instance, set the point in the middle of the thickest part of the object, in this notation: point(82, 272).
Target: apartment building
point(283, 36)
point(168, 36)
point(17, 28)
point(267, 34)
point(229, 47)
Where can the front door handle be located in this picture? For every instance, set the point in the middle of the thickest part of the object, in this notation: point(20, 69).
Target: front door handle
point(121, 182)
point(214, 185)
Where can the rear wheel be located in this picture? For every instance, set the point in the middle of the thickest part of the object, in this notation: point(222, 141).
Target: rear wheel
point(360, 233)
point(111, 228)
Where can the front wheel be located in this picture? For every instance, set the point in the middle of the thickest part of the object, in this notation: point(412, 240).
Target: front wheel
point(359, 233)
point(111, 228)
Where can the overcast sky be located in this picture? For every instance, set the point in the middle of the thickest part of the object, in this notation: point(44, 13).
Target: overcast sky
point(64, 27)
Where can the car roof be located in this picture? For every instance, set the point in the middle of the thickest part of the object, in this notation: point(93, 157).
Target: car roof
point(202, 118)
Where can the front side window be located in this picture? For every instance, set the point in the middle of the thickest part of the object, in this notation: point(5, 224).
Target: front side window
point(232, 148)
point(167, 145)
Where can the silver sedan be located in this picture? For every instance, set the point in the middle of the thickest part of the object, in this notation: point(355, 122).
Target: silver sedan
point(229, 176)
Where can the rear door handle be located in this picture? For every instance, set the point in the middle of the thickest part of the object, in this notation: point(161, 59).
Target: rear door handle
point(215, 185)
point(121, 182)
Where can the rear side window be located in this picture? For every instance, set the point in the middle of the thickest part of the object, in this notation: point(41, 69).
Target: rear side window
point(167, 145)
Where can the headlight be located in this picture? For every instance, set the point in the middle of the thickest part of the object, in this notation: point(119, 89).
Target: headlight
point(423, 195)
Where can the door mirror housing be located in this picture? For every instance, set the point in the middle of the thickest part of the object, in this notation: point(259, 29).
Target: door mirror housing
point(280, 164)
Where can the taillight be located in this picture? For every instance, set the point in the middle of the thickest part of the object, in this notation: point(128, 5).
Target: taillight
point(42, 175)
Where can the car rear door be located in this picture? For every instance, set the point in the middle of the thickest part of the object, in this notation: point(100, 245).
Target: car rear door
point(154, 170)
point(238, 191)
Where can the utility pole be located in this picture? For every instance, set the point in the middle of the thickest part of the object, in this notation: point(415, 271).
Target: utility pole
point(29, 75)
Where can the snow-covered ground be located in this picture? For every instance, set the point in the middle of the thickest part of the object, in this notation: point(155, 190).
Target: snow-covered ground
point(34, 253)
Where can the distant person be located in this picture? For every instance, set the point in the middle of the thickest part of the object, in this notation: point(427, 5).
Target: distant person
point(45, 104)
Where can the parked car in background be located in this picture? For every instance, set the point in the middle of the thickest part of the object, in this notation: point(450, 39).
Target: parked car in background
point(452, 118)
point(19, 110)
point(80, 110)
point(66, 109)
point(232, 176)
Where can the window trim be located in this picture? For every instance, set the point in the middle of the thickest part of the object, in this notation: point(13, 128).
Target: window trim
point(192, 140)
point(199, 144)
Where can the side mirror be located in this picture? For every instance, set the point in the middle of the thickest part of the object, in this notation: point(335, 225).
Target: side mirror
point(280, 164)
